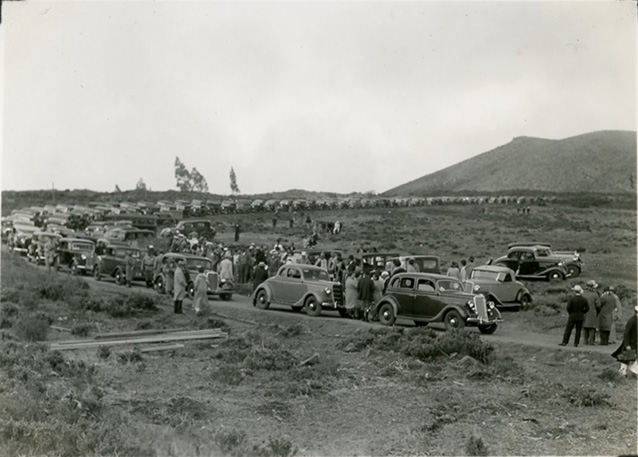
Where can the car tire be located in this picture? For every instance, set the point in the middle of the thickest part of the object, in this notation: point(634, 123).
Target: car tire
point(312, 306)
point(453, 320)
point(226, 297)
point(420, 324)
point(159, 285)
point(120, 277)
point(488, 329)
point(573, 271)
point(524, 302)
point(190, 290)
point(97, 273)
point(296, 309)
point(555, 276)
point(261, 299)
point(386, 314)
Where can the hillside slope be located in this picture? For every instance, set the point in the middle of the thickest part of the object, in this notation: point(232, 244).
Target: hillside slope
point(598, 162)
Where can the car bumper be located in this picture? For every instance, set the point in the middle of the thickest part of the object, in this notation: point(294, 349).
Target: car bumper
point(479, 321)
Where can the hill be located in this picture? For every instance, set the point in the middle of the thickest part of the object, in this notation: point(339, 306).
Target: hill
point(599, 162)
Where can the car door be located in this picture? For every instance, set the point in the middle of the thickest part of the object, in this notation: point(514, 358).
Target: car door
point(404, 294)
point(528, 265)
point(449, 291)
point(506, 288)
point(290, 286)
point(425, 298)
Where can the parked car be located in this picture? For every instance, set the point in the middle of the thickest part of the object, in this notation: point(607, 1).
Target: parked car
point(110, 261)
point(301, 287)
point(39, 239)
point(128, 234)
point(22, 237)
point(425, 298)
point(202, 227)
point(425, 263)
point(573, 262)
point(76, 254)
point(528, 264)
point(499, 285)
point(369, 261)
point(216, 286)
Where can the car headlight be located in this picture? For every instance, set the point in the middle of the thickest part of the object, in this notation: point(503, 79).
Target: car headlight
point(223, 281)
point(83, 257)
point(470, 304)
point(477, 288)
point(327, 290)
point(561, 264)
point(490, 305)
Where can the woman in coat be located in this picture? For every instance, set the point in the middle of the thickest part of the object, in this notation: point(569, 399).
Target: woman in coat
point(629, 342)
point(352, 293)
point(200, 286)
point(179, 287)
point(605, 316)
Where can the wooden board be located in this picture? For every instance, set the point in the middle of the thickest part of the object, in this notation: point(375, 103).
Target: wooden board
point(149, 339)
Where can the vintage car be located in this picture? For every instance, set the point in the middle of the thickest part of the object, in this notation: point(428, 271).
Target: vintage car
point(573, 262)
point(424, 263)
point(110, 261)
point(202, 227)
point(76, 254)
point(499, 285)
point(425, 298)
point(128, 234)
point(528, 264)
point(39, 239)
point(301, 287)
point(216, 286)
point(22, 237)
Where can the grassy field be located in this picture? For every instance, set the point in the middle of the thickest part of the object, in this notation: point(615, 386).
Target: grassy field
point(369, 390)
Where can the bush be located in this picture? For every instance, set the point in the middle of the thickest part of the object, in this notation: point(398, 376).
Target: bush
point(475, 445)
point(133, 356)
point(586, 396)
point(229, 442)
point(275, 447)
point(82, 329)
point(103, 352)
point(231, 375)
point(32, 327)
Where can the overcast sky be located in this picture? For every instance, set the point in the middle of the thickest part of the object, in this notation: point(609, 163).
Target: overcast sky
point(324, 96)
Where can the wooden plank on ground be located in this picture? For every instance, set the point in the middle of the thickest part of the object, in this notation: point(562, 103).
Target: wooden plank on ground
point(150, 339)
point(186, 332)
point(166, 347)
point(113, 335)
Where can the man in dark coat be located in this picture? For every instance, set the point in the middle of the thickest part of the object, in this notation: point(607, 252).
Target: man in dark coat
point(628, 342)
point(366, 295)
point(261, 274)
point(577, 307)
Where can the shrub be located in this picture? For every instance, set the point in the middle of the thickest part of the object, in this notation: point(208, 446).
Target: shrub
point(232, 375)
point(32, 327)
point(133, 356)
point(275, 447)
point(82, 329)
point(103, 352)
point(586, 396)
point(475, 445)
point(230, 441)
point(213, 323)
point(8, 314)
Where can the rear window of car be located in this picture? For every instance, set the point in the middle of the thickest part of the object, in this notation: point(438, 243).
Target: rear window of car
point(482, 274)
point(426, 264)
point(194, 264)
point(315, 275)
point(450, 286)
point(84, 247)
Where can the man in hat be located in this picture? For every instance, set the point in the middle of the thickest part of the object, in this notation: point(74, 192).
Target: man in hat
point(577, 307)
point(591, 320)
point(261, 274)
point(606, 314)
point(225, 267)
point(148, 266)
point(179, 286)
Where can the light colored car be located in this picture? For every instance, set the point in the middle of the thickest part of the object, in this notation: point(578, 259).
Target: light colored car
point(301, 286)
point(499, 285)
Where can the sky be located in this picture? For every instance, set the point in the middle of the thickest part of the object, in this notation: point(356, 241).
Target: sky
point(324, 96)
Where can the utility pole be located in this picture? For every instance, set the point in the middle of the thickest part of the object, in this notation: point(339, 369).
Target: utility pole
point(53, 191)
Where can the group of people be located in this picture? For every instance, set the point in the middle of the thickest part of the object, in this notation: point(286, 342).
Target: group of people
point(463, 271)
point(363, 291)
point(592, 313)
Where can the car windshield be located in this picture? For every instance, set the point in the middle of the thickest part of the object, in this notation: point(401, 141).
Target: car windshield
point(123, 252)
point(194, 264)
point(482, 274)
point(83, 247)
point(315, 275)
point(543, 252)
point(447, 285)
point(426, 264)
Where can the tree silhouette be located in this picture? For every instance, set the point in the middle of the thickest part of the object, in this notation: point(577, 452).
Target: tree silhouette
point(233, 182)
point(189, 181)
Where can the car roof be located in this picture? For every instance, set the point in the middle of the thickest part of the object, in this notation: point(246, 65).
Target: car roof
point(81, 240)
point(185, 221)
point(303, 265)
point(424, 275)
point(178, 255)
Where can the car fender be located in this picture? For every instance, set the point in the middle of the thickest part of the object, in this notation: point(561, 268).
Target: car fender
point(310, 293)
point(489, 296)
point(522, 292)
point(439, 317)
point(392, 301)
point(262, 286)
point(552, 269)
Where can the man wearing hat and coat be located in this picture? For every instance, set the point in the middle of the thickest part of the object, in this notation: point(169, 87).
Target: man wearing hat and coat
point(261, 274)
point(606, 314)
point(577, 307)
point(591, 317)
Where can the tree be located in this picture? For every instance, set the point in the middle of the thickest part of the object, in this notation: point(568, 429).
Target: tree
point(141, 185)
point(117, 188)
point(189, 181)
point(233, 182)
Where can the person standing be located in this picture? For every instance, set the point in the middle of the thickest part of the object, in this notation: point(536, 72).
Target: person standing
point(200, 287)
point(179, 290)
point(454, 271)
point(352, 293)
point(606, 315)
point(322, 261)
point(49, 254)
point(226, 268)
point(463, 272)
point(614, 317)
point(148, 264)
point(411, 266)
point(261, 274)
point(379, 285)
point(366, 295)
point(591, 319)
point(168, 269)
point(577, 307)
point(237, 230)
point(469, 267)
point(628, 344)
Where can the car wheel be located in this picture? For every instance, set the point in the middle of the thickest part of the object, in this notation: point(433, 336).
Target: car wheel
point(555, 276)
point(524, 301)
point(453, 320)
point(226, 297)
point(190, 291)
point(159, 285)
point(261, 300)
point(420, 324)
point(313, 307)
point(488, 329)
point(97, 273)
point(120, 277)
point(573, 271)
point(74, 268)
point(297, 308)
point(386, 314)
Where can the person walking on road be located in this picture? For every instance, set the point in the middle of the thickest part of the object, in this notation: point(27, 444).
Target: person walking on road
point(624, 352)
point(577, 307)
point(180, 284)
point(200, 287)
point(606, 315)
point(591, 317)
